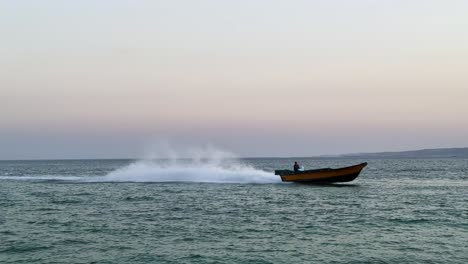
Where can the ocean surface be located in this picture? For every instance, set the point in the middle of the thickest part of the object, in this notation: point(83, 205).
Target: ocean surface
point(231, 211)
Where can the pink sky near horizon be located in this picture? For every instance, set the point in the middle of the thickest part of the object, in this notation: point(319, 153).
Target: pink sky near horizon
point(260, 78)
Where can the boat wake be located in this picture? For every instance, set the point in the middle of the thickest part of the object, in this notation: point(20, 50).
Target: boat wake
point(150, 171)
point(227, 170)
point(207, 165)
point(44, 178)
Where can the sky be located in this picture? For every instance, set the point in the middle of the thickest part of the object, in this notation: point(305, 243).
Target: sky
point(113, 79)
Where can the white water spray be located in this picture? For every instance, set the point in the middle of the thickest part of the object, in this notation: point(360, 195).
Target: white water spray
point(145, 171)
point(206, 165)
point(197, 165)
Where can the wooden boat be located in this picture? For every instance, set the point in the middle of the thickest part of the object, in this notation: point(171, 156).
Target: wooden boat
point(326, 175)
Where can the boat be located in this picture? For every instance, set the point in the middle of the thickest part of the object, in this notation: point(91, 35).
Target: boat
point(325, 175)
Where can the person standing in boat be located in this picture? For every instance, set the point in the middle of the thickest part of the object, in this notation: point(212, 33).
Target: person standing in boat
point(296, 167)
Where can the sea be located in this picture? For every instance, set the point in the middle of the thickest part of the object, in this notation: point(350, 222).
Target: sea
point(232, 211)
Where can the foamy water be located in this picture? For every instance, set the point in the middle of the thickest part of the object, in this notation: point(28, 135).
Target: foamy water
point(210, 170)
point(203, 165)
point(145, 171)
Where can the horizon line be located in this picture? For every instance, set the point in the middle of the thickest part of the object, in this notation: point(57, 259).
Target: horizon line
point(324, 156)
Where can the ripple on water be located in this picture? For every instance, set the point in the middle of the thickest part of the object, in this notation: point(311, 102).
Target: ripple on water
point(24, 248)
point(138, 198)
point(393, 216)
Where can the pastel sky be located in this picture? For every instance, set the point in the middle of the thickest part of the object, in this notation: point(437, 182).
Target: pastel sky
point(107, 79)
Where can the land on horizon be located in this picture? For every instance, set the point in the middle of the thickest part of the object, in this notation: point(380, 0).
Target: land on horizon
point(421, 153)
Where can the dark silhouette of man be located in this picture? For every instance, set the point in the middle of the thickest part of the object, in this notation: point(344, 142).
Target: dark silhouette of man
point(296, 167)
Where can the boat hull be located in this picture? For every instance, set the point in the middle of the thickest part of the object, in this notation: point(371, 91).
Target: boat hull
point(327, 175)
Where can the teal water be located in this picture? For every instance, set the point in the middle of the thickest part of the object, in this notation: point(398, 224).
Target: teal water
point(122, 211)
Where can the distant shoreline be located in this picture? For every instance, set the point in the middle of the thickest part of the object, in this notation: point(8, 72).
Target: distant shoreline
point(422, 153)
